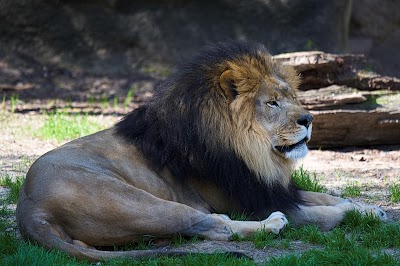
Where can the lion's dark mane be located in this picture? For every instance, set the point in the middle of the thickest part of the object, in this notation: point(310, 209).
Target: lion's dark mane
point(168, 132)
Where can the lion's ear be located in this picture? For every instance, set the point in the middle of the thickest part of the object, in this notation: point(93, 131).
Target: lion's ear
point(227, 83)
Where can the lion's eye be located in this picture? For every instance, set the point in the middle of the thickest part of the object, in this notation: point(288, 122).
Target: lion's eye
point(273, 104)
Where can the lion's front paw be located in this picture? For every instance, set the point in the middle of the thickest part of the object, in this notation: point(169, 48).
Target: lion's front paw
point(275, 223)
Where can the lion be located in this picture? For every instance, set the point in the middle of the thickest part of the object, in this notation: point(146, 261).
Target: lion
point(221, 135)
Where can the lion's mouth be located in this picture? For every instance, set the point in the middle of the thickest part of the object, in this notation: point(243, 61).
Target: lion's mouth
point(289, 148)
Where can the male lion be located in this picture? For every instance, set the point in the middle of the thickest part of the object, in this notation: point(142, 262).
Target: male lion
point(222, 135)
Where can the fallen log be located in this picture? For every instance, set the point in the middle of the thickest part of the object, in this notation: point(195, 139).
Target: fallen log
point(348, 117)
point(320, 69)
point(330, 97)
point(339, 128)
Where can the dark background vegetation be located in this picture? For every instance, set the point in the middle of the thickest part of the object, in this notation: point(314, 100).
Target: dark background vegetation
point(71, 48)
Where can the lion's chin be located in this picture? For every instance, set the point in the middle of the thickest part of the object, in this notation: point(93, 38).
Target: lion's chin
point(295, 151)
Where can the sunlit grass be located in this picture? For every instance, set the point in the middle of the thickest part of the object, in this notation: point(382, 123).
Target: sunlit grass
point(351, 190)
point(129, 97)
point(394, 191)
point(306, 180)
point(61, 126)
point(14, 185)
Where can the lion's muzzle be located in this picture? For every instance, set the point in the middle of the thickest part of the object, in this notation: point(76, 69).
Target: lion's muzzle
point(299, 148)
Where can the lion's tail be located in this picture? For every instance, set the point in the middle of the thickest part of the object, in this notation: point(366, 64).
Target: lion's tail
point(54, 237)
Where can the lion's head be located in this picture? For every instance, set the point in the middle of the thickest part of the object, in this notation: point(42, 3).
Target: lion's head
point(265, 114)
point(231, 117)
point(269, 91)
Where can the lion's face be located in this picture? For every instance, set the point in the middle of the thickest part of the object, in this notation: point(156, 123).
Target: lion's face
point(280, 114)
point(272, 127)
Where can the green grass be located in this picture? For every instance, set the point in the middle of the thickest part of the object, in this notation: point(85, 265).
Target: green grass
point(372, 233)
point(3, 103)
point(104, 101)
point(151, 242)
point(157, 71)
point(195, 259)
point(179, 240)
point(351, 190)
point(26, 253)
point(14, 185)
point(91, 100)
point(310, 45)
point(394, 191)
point(129, 97)
point(239, 216)
point(14, 101)
point(307, 181)
point(61, 126)
point(262, 239)
point(359, 240)
point(332, 256)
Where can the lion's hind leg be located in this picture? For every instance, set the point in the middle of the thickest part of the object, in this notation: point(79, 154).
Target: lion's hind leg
point(151, 216)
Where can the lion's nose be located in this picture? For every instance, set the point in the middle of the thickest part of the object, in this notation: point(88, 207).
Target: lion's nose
point(305, 120)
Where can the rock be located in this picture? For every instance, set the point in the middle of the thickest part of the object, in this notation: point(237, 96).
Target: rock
point(129, 37)
point(374, 18)
point(375, 31)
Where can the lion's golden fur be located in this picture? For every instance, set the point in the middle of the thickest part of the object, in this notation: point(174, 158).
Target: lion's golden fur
point(250, 141)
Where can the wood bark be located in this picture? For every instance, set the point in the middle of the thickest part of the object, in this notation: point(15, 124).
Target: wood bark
point(336, 128)
point(320, 69)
